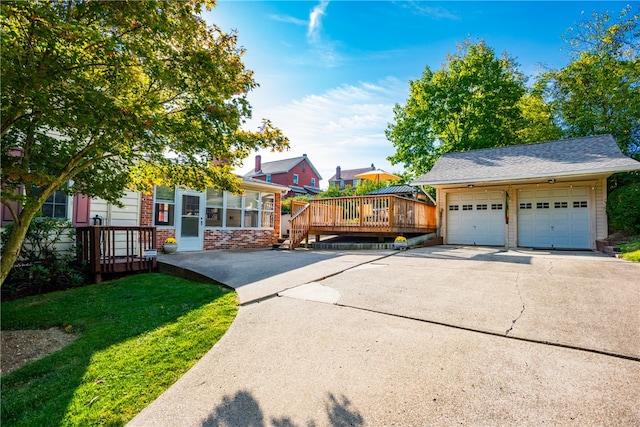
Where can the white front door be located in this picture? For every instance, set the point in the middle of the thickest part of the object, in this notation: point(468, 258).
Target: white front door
point(476, 218)
point(190, 221)
point(554, 218)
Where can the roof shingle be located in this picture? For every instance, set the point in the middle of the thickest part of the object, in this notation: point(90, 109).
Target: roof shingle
point(577, 156)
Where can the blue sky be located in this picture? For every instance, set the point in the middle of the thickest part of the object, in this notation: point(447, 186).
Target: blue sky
point(330, 72)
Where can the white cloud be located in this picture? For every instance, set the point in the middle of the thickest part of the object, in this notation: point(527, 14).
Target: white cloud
point(288, 19)
point(342, 127)
point(436, 12)
point(315, 20)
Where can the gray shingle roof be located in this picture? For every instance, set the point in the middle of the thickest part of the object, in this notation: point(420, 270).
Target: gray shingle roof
point(569, 157)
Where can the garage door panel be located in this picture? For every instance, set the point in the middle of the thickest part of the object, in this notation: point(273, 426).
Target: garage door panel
point(556, 218)
point(476, 218)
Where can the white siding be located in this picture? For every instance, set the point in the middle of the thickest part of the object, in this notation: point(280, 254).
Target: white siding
point(602, 230)
point(113, 215)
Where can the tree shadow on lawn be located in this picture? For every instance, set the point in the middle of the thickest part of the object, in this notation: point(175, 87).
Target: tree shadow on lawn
point(114, 320)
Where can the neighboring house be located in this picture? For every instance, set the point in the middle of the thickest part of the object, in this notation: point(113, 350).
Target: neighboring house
point(297, 173)
point(346, 177)
point(545, 195)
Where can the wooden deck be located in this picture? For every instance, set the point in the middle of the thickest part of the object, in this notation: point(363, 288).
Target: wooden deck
point(115, 249)
point(361, 215)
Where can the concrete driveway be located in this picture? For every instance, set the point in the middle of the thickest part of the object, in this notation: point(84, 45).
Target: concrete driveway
point(432, 336)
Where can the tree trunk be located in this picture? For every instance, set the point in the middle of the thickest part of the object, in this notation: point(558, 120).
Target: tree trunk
point(11, 250)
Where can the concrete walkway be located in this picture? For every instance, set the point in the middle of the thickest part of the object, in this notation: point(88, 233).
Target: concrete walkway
point(433, 336)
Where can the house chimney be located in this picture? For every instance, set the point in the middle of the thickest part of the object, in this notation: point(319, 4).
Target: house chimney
point(338, 173)
point(258, 163)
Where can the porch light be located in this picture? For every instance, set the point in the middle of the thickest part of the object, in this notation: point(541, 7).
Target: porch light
point(470, 186)
point(552, 181)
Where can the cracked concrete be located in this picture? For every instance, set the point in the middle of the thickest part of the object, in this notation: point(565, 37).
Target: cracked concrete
point(418, 340)
point(513, 322)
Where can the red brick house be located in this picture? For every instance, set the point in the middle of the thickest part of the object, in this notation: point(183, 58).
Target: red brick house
point(297, 173)
point(346, 177)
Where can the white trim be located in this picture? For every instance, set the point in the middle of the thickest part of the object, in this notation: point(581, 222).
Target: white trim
point(509, 179)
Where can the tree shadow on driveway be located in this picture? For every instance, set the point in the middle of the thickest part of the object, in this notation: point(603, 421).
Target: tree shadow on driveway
point(243, 410)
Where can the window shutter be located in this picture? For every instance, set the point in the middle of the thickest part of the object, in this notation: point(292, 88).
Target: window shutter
point(6, 217)
point(81, 211)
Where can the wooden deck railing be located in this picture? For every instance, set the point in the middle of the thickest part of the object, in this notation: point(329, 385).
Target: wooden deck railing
point(299, 226)
point(115, 249)
point(372, 215)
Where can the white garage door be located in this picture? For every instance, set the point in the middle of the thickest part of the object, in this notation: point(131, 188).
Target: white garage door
point(476, 218)
point(557, 218)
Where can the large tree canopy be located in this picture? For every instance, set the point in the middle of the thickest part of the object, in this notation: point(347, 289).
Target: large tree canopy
point(599, 90)
point(113, 95)
point(477, 100)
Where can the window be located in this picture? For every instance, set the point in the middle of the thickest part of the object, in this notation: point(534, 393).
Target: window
point(313, 182)
point(542, 205)
point(164, 206)
point(251, 206)
point(481, 207)
point(295, 178)
point(467, 207)
point(268, 178)
point(268, 209)
point(560, 205)
point(581, 204)
point(215, 207)
point(525, 206)
point(453, 207)
point(234, 210)
point(56, 205)
point(496, 207)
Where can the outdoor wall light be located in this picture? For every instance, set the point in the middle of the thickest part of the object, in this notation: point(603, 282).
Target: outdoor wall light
point(470, 186)
point(552, 181)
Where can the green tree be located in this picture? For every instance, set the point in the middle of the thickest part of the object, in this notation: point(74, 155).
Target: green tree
point(475, 101)
point(598, 92)
point(111, 95)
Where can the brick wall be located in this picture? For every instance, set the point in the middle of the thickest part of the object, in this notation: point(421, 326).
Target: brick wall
point(237, 239)
point(146, 210)
point(276, 222)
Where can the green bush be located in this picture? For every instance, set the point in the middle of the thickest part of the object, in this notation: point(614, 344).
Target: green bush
point(47, 259)
point(623, 209)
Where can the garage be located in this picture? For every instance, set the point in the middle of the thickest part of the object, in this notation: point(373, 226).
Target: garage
point(557, 193)
point(476, 218)
point(554, 218)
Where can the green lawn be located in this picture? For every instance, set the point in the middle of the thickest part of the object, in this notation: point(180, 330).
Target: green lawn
point(631, 251)
point(137, 336)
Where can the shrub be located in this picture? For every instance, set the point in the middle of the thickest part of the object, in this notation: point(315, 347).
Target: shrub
point(623, 209)
point(47, 260)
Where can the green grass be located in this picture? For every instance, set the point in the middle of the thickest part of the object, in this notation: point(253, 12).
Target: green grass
point(631, 251)
point(137, 336)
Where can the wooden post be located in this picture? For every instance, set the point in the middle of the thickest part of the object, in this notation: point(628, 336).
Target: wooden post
point(94, 253)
